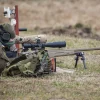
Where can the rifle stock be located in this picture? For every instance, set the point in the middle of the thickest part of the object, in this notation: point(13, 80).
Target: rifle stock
point(68, 52)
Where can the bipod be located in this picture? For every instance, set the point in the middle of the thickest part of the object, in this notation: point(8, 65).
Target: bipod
point(80, 54)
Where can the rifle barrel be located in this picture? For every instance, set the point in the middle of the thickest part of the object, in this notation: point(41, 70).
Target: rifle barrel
point(22, 29)
point(88, 49)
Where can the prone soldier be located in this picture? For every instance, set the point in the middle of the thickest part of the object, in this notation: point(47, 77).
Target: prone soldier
point(8, 39)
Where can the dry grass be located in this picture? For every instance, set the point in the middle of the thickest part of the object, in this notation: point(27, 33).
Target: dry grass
point(55, 87)
point(52, 13)
point(82, 84)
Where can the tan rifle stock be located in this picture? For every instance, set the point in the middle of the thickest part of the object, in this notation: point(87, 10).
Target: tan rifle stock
point(68, 52)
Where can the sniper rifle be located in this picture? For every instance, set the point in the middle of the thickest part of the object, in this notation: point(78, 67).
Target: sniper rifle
point(57, 53)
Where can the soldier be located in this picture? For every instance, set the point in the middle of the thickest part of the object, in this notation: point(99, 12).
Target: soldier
point(6, 33)
point(26, 65)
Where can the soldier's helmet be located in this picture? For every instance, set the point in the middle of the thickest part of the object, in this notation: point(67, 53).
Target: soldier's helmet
point(6, 32)
point(8, 28)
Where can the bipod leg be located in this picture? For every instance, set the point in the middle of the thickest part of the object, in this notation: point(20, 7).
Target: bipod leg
point(77, 58)
point(83, 59)
point(80, 54)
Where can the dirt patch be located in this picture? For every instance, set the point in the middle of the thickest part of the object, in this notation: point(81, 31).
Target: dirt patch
point(64, 70)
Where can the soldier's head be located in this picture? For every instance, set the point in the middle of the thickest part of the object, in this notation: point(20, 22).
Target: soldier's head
point(6, 33)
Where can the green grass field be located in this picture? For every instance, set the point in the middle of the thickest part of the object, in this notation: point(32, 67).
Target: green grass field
point(83, 84)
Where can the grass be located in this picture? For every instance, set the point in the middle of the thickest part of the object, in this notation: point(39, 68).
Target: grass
point(81, 85)
point(52, 13)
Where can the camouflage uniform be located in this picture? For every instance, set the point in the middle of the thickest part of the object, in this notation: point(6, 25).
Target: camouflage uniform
point(6, 33)
point(31, 65)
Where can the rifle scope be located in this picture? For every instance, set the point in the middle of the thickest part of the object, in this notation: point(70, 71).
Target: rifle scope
point(43, 45)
